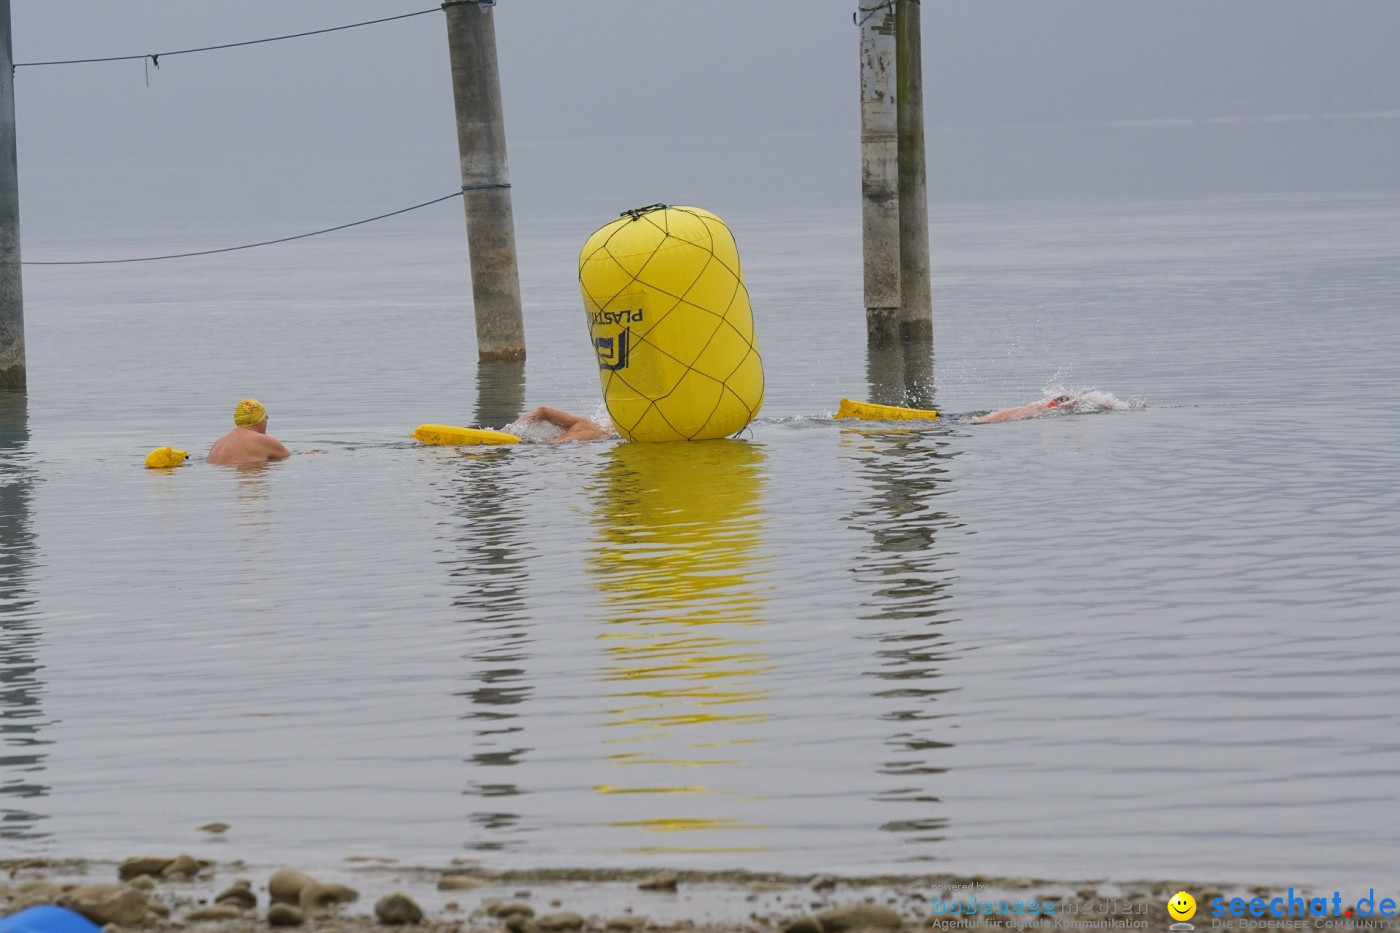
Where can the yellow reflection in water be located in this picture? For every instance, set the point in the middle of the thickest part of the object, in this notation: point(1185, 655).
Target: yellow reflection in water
point(687, 789)
point(677, 564)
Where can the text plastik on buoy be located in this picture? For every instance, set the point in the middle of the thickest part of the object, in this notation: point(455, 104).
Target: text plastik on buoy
point(669, 317)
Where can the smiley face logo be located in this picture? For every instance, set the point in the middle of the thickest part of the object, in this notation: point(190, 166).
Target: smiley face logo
point(1182, 906)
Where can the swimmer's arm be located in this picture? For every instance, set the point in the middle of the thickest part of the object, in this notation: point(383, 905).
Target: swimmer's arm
point(582, 430)
point(576, 427)
point(555, 416)
point(1011, 414)
point(274, 449)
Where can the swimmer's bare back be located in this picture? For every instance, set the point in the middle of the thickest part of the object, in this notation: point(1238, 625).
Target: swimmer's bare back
point(246, 445)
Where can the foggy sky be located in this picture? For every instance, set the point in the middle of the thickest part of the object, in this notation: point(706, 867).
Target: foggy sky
point(735, 105)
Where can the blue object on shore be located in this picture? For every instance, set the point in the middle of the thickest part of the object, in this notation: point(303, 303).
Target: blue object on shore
point(47, 919)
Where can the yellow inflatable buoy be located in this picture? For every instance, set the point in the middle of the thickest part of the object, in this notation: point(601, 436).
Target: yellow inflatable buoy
point(671, 325)
point(165, 457)
point(869, 411)
point(446, 434)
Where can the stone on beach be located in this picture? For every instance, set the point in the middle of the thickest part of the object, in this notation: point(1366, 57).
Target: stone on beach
point(109, 902)
point(859, 916)
point(397, 908)
point(214, 912)
point(316, 894)
point(803, 925)
point(183, 866)
point(284, 885)
point(31, 894)
point(560, 922)
point(519, 923)
point(142, 865)
point(284, 915)
point(661, 881)
point(241, 894)
point(459, 883)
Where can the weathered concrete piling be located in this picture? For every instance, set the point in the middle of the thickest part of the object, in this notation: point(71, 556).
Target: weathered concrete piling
point(481, 142)
point(879, 176)
point(500, 392)
point(12, 366)
point(898, 300)
point(916, 298)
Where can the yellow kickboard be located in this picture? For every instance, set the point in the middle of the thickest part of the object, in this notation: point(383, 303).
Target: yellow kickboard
point(869, 411)
point(446, 434)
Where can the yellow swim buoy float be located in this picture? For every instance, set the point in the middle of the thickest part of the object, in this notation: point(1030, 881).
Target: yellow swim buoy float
point(166, 457)
point(671, 325)
point(870, 411)
point(451, 435)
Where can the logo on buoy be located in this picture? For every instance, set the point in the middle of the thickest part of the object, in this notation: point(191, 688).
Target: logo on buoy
point(612, 352)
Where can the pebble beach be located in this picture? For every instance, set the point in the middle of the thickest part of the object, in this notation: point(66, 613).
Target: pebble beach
point(182, 892)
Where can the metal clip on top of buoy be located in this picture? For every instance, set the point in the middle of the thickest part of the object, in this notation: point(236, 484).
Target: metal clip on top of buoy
point(636, 212)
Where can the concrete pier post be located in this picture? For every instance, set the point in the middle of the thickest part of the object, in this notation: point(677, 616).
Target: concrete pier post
point(884, 373)
point(12, 368)
point(500, 393)
point(481, 142)
point(916, 298)
point(900, 372)
point(879, 176)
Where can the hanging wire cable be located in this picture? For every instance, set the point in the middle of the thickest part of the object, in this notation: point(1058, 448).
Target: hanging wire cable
point(156, 57)
point(231, 249)
point(870, 11)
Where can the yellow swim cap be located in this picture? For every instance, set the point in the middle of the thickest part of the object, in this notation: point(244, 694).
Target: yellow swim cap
point(164, 457)
point(249, 412)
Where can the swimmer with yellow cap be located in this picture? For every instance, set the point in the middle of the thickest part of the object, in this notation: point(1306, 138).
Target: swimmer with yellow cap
point(249, 412)
point(249, 441)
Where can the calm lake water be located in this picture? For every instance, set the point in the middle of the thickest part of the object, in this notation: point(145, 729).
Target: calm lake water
point(1152, 642)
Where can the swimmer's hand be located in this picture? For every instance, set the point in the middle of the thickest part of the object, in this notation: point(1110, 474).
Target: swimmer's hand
point(554, 416)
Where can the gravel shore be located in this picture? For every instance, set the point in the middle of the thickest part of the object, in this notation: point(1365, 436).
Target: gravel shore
point(184, 893)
